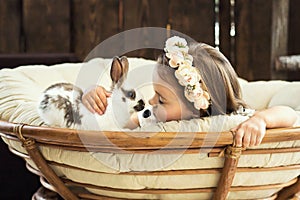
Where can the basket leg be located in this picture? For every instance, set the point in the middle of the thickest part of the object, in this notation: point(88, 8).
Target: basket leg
point(44, 194)
point(232, 155)
point(289, 192)
point(36, 156)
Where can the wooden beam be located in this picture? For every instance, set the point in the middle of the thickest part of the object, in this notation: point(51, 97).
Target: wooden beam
point(93, 21)
point(261, 36)
point(46, 26)
point(10, 26)
point(224, 22)
point(294, 28)
point(279, 31)
point(195, 18)
point(145, 13)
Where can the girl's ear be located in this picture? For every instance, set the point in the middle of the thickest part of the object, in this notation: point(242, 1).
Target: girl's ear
point(119, 70)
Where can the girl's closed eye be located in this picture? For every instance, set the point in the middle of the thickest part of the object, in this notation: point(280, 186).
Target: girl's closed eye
point(160, 100)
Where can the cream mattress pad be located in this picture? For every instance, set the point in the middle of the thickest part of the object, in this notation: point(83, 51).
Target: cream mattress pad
point(20, 89)
point(107, 170)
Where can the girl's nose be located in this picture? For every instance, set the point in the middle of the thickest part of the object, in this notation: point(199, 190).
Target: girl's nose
point(151, 102)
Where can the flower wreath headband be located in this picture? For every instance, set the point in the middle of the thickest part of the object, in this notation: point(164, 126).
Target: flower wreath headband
point(188, 76)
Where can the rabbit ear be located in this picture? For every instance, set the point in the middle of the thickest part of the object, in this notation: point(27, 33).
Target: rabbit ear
point(119, 69)
point(125, 65)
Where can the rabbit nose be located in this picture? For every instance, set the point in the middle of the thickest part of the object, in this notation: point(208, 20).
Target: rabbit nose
point(140, 105)
point(147, 113)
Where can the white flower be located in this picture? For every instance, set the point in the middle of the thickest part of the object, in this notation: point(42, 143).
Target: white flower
point(201, 103)
point(206, 95)
point(176, 44)
point(187, 75)
point(192, 92)
point(188, 58)
point(176, 59)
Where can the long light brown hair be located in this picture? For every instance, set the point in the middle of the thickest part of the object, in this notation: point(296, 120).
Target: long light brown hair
point(218, 76)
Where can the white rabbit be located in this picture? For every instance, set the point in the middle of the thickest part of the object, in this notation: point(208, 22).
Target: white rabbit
point(60, 104)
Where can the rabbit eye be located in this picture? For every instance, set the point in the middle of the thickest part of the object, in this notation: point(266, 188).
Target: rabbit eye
point(129, 94)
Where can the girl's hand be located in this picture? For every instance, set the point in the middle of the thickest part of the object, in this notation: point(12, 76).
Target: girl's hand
point(251, 132)
point(95, 100)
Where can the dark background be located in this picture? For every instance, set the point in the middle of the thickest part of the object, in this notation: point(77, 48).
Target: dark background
point(16, 182)
point(264, 30)
point(56, 31)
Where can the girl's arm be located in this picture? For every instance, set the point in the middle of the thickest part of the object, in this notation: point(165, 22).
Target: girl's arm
point(252, 131)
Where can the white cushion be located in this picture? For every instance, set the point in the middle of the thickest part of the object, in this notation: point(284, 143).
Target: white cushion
point(21, 87)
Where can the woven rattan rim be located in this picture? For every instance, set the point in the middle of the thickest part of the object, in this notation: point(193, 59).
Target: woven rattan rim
point(134, 141)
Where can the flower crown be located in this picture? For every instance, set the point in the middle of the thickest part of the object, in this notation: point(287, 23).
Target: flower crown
point(188, 76)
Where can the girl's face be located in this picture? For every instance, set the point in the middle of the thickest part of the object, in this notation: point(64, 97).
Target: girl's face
point(166, 104)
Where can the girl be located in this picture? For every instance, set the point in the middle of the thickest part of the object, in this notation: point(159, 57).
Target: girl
point(198, 81)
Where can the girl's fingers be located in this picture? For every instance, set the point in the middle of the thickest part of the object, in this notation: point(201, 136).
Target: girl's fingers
point(92, 105)
point(253, 139)
point(97, 105)
point(87, 104)
point(96, 100)
point(260, 136)
point(101, 99)
point(247, 139)
point(238, 137)
point(108, 94)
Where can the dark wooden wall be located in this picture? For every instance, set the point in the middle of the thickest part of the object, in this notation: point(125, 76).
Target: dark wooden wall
point(51, 31)
point(60, 26)
point(264, 29)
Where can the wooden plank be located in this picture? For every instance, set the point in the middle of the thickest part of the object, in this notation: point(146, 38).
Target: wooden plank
point(243, 46)
point(93, 21)
point(194, 18)
point(47, 26)
point(224, 37)
point(145, 13)
point(294, 28)
point(10, 26)
point(140, 13)
point(279, 31)
point(255, 22)
point(261, 35)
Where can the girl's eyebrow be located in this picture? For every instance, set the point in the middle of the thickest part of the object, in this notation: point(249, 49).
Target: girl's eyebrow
point(159, 94)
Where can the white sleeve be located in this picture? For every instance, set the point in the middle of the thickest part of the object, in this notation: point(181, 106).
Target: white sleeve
point(245, 111)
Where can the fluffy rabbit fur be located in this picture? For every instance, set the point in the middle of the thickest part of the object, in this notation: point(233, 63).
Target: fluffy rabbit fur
point(60, 105)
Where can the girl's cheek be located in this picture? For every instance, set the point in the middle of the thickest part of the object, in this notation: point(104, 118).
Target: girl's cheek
point(160, 113)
